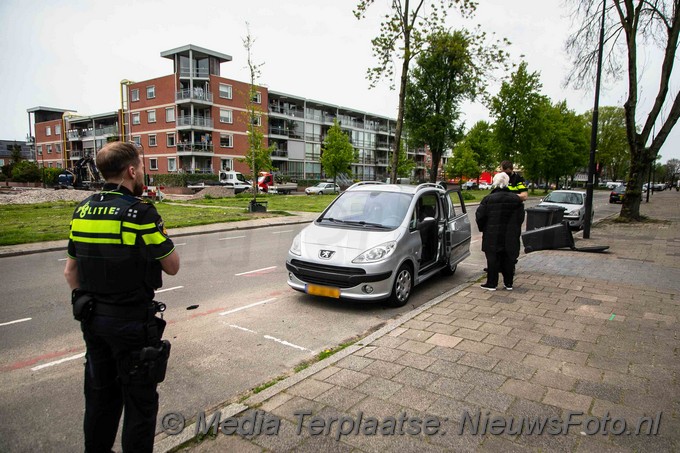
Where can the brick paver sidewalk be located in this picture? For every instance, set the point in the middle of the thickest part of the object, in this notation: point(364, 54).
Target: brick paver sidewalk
point(595, 334)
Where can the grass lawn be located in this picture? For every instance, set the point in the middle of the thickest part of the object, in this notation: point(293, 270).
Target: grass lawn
point(20, 224)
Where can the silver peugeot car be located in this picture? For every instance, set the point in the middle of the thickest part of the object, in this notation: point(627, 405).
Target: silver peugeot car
point(376, 241)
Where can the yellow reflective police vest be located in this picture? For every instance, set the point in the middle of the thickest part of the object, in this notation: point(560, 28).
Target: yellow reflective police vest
point(110, 245)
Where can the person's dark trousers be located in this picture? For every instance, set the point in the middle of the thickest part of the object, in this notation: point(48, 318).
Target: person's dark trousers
point(108, 341)
point(499, 262)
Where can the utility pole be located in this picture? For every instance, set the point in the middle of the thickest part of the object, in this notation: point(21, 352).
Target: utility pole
point(593, 134)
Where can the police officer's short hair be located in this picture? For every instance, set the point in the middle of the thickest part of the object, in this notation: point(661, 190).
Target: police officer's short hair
point(506, 165)
point(115, 157)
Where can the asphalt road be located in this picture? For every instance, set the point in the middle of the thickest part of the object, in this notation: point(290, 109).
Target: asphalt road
point(248, 327)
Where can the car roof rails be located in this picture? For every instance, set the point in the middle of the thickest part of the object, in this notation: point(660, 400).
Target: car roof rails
point(429, 184)
point(364, 183)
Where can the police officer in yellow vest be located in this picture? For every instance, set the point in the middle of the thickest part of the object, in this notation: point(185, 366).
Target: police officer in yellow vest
point(516, 185)
point(117, 250)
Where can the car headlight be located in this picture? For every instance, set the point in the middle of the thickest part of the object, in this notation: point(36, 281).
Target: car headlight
point(296, 249)
point(377, 253)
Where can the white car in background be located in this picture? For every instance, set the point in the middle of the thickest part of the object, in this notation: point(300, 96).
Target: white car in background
point(323, 188)
point(484, 185)
point(572, 201)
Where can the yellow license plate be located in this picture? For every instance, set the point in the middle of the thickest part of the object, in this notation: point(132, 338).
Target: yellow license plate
point(325, 291)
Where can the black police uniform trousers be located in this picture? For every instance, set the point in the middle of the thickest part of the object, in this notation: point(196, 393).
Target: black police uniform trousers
point(503, 262)
point(109, 341)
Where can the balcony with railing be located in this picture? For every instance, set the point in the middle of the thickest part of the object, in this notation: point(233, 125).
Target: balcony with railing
point(280, 153)
point(195, 121)
point(202, 73)
point(107, 130)
point(382, 144)
point(197, 94)
point(284, 111)
point(73, 135)
point(287, 132)
point(198, 149)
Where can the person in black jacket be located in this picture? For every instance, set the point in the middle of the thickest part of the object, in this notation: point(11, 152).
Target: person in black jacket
point(499, 219)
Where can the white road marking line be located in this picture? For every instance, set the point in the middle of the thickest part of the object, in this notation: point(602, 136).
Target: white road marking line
point(241, 328)
point(247, 306)
point(279, 232)
point(232, 237)
point(15, 321)
point(256, 270)
point(168, 289)
point(181, 243)
point(62, 259)
point(57, 362)
point(285, 343)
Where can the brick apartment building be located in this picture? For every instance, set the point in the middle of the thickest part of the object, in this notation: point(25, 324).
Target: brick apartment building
point(194, 120)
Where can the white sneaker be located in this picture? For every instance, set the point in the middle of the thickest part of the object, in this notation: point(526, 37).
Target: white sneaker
point(509, 288)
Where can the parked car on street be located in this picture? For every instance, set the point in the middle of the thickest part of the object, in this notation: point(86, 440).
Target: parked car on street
point(573, 203)
point(323, 188)
point(484, 185)
point(376, 241)
point(470, 185)
point(617, 195)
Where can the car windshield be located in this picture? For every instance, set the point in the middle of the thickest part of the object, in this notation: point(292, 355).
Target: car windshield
point(241, 178)
point(363, 208)
point(564, 197)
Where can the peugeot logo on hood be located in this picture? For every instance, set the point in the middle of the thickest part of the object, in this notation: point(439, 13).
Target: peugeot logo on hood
point(326, 254)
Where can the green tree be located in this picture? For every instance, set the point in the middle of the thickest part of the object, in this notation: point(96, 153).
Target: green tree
point(25, 171)
point(406, 165)
point(463, 163)
point(632, 27)
point(519, 111)
point(452, 69)
point(259, 157)
point(403, 34)
point(612, 143)
point(563, 147)
point(15, 153)
point(480, 138)
point(673, 170)
point(337, 153)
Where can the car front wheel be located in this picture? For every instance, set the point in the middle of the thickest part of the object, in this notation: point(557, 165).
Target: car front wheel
point(401, 289)
point(320, 192)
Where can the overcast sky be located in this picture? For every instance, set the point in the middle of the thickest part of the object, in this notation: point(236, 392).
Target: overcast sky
point(72, 54)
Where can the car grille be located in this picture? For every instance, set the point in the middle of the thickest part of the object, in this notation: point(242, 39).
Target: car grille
point(338, 276)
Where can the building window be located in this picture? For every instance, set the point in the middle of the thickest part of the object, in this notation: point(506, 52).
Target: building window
point(39, 150)
point(57, 148)
point(137, 140)
point(153, 163)
point(257, 120)
point(151, 116)
point(135, 94)
point(57, 129)
point(171, 139)
point(172, 164)
point(225, 91)
point(170, 115)
point(2, 162)
point(49, 164)
point(227, 164)
point(226, 116)
point(257, 97)
point(48, 131)
point(49, 149)
point(58, 164)
point(135, 118)
point(151, 92)
point(226, 141)
point(152, 139)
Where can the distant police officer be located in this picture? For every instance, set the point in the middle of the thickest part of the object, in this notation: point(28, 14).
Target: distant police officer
point(117, 250)
point(516, 184)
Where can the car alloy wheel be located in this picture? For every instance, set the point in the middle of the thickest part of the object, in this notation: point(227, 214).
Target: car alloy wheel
point(449, 269)
point(401, 289)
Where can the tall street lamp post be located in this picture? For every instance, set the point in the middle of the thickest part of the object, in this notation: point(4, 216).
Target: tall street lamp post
point(593, 134)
